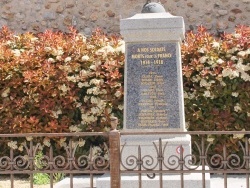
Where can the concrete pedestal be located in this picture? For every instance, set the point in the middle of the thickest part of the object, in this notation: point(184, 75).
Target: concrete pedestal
point(151, 149)
point(149, 152)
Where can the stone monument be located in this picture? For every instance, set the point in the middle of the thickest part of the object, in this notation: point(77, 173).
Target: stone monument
point(154, 95)
point(153, 80)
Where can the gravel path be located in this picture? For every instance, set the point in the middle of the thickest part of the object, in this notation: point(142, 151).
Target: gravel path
point(18, 183)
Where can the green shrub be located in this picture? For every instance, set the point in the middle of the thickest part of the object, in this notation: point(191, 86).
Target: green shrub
point(40, 178)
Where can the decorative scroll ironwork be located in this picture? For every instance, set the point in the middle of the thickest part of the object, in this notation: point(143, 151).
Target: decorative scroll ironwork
point(169, 162)
point(67, 160)
point(70, 160)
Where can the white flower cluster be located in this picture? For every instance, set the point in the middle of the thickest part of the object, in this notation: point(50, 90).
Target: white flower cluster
point(118, 93)
point(96, 81)
point(88, 118)
point(106, 156)
point(208, 94)
point(56, 52)
point(20, 148)
point(72, 78)
point(75, 128)
point(17, 52)
point(120, 107)
point(216, 44)
point(121, 47)
point(64, 89)
point(83, 84)
point(239, 69)
point(66, 68)
point(190, 95)
point(67, 59)
point(84, 73)
point(243, 69)
point(207, 85)
point(46, 142)
point(228, 72)
point(239, 136)
point(81, 142)
point(237, 108)
point(203, 59)
point(5, 93)
point(85, 58)
point(13, 144)
point(235, 94)
point(104, 51)
point(51, 60)
point(81, 37)
point(62, 142)
point(29, 138)
point(96, 151)
point(96, 91)
point(55, 114)
point(210, 138)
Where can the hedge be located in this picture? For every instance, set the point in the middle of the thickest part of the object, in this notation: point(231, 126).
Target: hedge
point(66, 82)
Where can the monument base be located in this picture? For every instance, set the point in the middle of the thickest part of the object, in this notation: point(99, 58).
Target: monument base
point(192, 180)
point(148, 151)
point(151, 147)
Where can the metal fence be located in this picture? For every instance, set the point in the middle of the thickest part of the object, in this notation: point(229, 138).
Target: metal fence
point(19, 151)
point(207, 157)
point(55, 159)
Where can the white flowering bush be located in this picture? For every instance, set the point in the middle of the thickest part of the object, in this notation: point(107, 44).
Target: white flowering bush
point(59, 82)
point(65, 82)
point(216, 73)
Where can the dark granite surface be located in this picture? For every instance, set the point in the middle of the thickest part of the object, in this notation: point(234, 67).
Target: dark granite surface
point(152, 89)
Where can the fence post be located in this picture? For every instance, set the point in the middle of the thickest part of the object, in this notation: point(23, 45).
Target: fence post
point(114, 149)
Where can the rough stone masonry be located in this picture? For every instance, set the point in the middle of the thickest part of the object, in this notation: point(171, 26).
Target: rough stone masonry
point(86, 15)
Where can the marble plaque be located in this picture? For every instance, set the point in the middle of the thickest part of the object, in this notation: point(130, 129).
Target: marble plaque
point(151, 100)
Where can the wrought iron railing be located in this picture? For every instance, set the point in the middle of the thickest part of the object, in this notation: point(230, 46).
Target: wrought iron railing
point(73, 159)
point(204, 160)
point(66, 160)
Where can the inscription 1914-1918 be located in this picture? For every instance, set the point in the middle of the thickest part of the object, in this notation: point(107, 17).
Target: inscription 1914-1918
point(152, 88)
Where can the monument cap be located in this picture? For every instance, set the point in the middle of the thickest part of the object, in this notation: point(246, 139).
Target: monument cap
point(153, 8)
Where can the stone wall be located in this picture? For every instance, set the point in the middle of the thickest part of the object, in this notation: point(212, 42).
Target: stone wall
point(86, 15)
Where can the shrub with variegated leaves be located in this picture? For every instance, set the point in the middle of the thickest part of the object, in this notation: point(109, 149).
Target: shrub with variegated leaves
point(216, 73)
point(59, 82)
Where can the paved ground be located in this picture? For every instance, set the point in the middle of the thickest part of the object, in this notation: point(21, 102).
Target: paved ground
point(18, 183)
point(234, 181)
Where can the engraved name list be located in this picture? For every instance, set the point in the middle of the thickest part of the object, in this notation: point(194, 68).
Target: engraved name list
point(148, 82)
